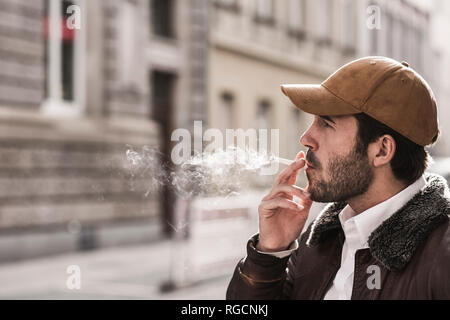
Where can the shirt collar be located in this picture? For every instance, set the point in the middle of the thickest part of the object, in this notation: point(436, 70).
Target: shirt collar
point(367, 221)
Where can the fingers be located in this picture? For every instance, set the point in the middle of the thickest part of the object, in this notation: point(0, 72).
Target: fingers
point(289, 190)
point(280, 203)
point(290, 171)
point(300, 155)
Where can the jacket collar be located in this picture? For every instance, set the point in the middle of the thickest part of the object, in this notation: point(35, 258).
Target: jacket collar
point(395, 241)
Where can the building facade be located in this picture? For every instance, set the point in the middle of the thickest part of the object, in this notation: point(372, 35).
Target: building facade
point(440, 24)
point(257, 45)
point(81, 82)
point(126, 73)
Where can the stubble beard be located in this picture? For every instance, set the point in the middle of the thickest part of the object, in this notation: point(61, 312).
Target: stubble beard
point(350, 176)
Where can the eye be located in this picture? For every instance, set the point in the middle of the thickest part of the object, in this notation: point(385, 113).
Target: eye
point(324, 124)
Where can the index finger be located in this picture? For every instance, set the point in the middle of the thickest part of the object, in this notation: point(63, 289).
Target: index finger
point(291, 170)
point(300, 155)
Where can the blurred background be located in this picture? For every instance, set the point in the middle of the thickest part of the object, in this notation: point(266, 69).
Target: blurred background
point(84, 81)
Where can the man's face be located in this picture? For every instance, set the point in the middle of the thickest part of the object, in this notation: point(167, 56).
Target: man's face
point(340, 169)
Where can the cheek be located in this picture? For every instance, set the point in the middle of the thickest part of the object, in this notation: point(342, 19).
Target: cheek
point(326, 162)
point(325, 153)
point(340, 145)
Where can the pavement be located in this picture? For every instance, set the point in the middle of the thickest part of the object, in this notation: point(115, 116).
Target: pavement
point(135, 272)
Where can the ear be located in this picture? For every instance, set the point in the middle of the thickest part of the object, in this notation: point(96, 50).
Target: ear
point(382, 150)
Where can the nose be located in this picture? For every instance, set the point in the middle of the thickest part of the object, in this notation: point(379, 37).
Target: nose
point(308, 141)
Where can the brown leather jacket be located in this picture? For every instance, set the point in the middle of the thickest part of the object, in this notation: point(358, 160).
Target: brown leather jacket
point(411, 249)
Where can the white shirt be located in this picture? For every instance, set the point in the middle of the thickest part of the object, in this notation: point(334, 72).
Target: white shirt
point(357, 229)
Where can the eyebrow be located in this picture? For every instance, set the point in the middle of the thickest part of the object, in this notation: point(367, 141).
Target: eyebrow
point(328, 119)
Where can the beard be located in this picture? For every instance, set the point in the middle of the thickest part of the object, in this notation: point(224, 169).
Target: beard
point(350, 176)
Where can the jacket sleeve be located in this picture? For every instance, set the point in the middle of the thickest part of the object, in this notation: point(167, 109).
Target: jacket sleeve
point(261, 276)
point(439, 275)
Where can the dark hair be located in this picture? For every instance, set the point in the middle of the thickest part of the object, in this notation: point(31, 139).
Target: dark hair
point(410, 159)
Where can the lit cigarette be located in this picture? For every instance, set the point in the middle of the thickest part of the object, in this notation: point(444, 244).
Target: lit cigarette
point(284, 161)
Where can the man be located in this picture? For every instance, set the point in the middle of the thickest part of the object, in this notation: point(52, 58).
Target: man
point(385, 232)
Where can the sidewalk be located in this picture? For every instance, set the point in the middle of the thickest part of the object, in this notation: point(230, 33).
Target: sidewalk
point(118, 273)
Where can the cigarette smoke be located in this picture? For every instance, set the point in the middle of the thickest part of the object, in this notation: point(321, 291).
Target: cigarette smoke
point(220, 173)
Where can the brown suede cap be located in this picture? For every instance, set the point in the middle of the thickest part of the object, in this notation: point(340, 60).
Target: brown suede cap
point(388, 91)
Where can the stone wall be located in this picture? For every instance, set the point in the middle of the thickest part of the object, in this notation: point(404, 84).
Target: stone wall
point(21, 53)
point(65, 183)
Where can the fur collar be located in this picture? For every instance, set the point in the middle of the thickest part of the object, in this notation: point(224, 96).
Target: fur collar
point(394, 242)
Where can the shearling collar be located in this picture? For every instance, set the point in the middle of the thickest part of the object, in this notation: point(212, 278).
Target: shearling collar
point(394, 242)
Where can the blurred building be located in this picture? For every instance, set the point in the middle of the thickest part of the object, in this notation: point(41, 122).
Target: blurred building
point(440, 24)
point(81, 82)
point(415, 31)
point(257, 45)
point(73, 100)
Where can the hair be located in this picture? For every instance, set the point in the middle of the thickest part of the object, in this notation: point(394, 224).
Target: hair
point(410, 159)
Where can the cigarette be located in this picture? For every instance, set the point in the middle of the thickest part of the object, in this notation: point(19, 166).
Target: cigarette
point(284, 161)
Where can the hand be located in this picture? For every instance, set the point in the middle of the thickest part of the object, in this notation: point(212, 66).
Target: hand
point(281, 220)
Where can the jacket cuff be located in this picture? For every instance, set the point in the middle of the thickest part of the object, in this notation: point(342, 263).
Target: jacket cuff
point(284, 253)
point(262, 267)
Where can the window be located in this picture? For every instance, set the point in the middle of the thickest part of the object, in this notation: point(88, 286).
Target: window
point(263, 115)
point(64, 47)
point(396, 39)
point(162, 18)
point(348, 27)
point(226, 2)
point(226, 111)
point(163, 85)
point(265, 11)
point(420, 39)
point(373, 42)
point(266, 146)
point(296, 18)
point(296, 14)
point(390, 35)
point(413, 49)
point(231, 5)
point(323, 15)
point(263, 122)
point(405, 41)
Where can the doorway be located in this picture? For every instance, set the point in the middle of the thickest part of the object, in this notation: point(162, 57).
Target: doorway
point(163, 92)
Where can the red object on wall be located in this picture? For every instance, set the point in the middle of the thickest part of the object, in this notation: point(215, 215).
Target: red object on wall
point(67, 35)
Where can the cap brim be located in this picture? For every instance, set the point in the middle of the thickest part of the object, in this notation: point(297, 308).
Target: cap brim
point(317, 100)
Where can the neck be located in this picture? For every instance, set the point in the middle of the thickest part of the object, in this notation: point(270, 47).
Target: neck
point(380, 190)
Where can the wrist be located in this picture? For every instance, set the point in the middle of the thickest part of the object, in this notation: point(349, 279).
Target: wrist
point(261, 266)
point(263, 248)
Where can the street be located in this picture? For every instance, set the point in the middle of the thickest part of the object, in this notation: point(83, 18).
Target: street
point(118, 273)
